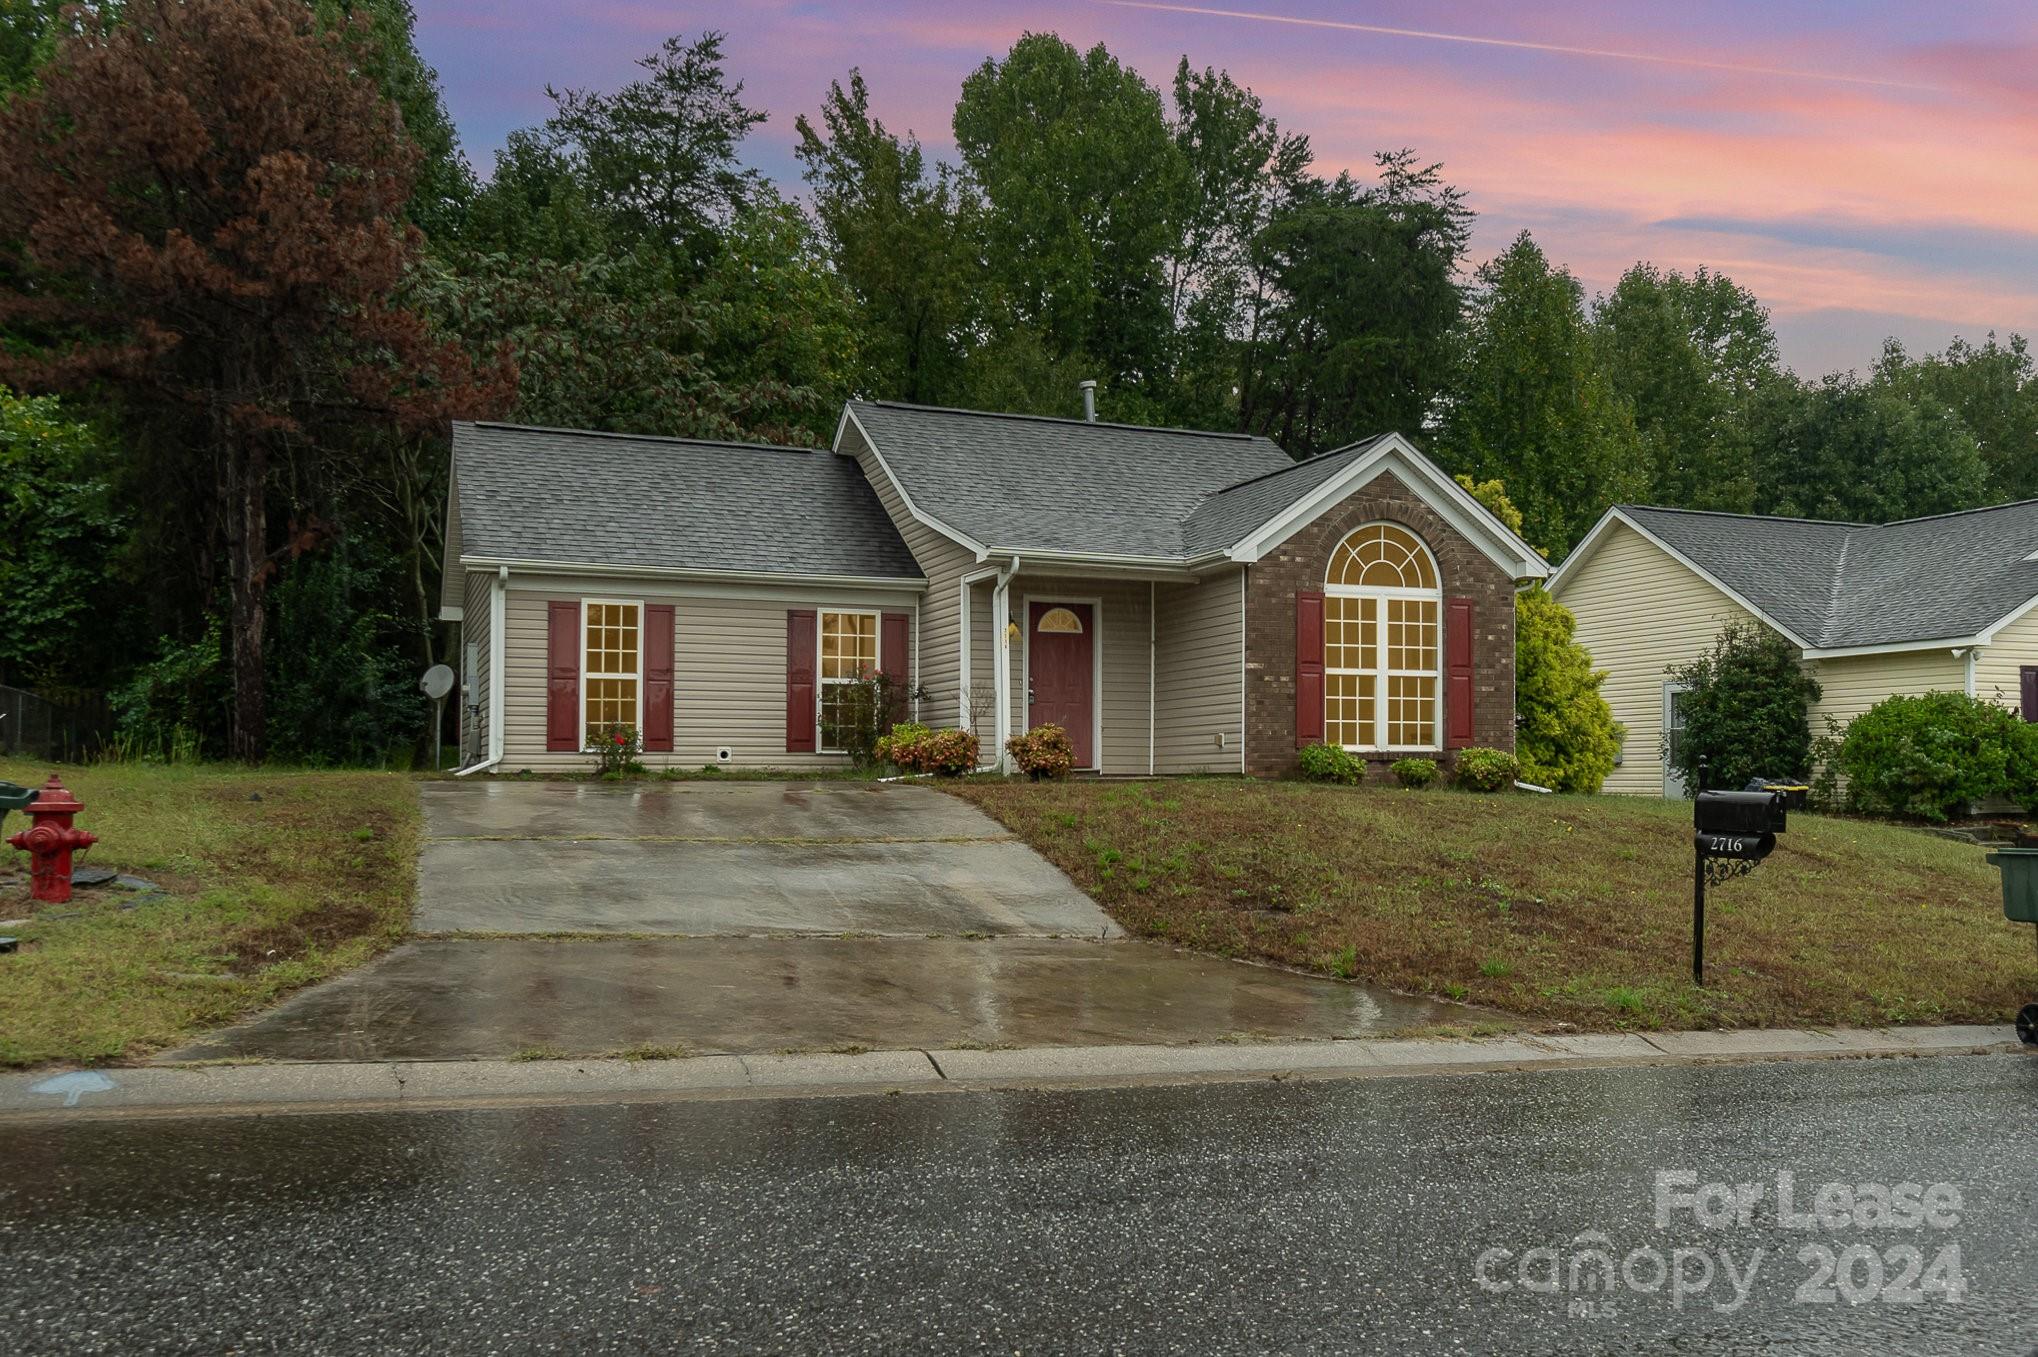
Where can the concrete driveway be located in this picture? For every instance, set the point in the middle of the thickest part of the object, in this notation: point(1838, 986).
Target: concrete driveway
point(707, 859)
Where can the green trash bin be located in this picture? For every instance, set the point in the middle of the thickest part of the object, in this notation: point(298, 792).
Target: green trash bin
point(2019, 867)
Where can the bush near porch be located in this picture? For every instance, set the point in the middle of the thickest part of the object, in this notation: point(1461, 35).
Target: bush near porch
point(1559, 908)
point(272, 880)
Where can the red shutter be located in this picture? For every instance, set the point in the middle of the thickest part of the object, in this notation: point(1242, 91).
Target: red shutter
point(1458, 673)
point(562, 676)
point(799, 681)
point(1308, 668)
point(2027, 678)
point(894, 658)
point(658, 620)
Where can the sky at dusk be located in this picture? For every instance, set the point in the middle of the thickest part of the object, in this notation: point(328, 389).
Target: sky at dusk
point(1867, 167)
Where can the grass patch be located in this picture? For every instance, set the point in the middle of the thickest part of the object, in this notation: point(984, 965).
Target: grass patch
point(1573, 909)
point(272, 880)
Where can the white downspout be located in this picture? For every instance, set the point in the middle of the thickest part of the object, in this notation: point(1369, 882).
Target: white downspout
point(1001, 651)
point(498, 620)
point(1152, 598)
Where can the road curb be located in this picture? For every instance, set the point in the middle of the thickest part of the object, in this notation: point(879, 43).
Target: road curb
point(203, 1090)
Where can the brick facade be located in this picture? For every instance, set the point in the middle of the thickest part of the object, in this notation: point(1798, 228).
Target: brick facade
point(1299, 564)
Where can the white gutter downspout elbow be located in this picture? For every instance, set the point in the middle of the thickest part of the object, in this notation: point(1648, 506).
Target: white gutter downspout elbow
point(498, 618)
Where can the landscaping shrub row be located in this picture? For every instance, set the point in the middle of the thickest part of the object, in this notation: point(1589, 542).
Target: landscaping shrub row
point(1476, 770)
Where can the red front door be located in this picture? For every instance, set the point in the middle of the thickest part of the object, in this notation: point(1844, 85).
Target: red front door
point(1061, 659)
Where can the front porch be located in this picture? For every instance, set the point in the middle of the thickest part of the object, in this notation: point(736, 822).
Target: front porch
point(1144, 670)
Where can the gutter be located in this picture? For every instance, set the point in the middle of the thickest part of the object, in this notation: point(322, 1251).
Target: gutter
point(1001, 651)
point(498, 617)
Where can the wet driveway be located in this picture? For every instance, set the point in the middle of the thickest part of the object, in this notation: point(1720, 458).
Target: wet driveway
point(741, 858)
point(578, 918)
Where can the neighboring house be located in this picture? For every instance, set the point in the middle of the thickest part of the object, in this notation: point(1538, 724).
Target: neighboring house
point(1928, 604)
point(1177, 601)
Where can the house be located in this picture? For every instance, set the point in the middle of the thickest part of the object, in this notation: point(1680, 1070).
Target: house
point(1178, 601)
point(1928, 604)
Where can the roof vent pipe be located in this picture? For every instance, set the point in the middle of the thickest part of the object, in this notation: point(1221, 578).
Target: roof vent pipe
point(1089, 390)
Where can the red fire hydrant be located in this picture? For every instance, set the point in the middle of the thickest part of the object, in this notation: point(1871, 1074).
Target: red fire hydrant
point(50, 840)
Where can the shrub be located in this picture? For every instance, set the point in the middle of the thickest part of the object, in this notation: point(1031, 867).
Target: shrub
point(862, 712)
point(616, 747)
point(1486, 770)
point(1329, 763)
point(1567, 737)
point(1932, 754)
point(1746, 714)
point(1414, 772)
point(917, 749)
point(1043, 752)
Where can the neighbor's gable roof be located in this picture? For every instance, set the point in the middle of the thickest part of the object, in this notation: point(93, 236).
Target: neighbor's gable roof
point(605, 501)
point(1838, 587)
point(1023, 484)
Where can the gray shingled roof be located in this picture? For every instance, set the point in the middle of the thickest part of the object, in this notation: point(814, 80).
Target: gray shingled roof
point(1030, 483)
point(1232, 514)
point(1839, 585)
point(625, 500)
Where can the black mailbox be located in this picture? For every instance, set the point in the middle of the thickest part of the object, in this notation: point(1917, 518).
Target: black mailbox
point(1738, 824)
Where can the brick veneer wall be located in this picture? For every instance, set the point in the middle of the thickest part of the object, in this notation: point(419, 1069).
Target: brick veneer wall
point(1300, 562)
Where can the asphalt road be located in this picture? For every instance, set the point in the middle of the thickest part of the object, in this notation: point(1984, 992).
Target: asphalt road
point(1331, 1217)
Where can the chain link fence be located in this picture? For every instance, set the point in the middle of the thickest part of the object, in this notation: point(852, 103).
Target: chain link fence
point(34, 727)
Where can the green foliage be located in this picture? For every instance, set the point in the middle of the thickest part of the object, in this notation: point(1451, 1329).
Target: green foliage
point(1992, 388)
point(1492, 496)
point(1565, 732)
point(1531, 406)
point(917, 749)
point(1414, 772)
point(1485, 770)
point(617, 747)
point(177, 702)
point(1746, 711)
point(1043, 752)
point(1843, 448)
point(1331, 763)
point(859, 714)
point(341, 689)
point(1934, 754)
point(387, 50)
point(59, 532)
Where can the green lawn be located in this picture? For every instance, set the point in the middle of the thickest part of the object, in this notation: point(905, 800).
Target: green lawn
point(1560, 909)
point(273, 880)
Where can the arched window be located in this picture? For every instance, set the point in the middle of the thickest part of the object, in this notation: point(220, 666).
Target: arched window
point(1381, 605)
point(1060, 620)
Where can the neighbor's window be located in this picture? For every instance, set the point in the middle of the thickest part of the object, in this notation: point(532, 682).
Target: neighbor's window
point(1381, 606)
point(848, 654)
point(609, 668)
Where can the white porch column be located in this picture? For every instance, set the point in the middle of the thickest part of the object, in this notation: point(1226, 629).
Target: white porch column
point(1001, 679)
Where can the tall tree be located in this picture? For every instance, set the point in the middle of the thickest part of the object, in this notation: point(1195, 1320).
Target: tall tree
point(902, 235)
point(1993, 389)
point(1083, 186)
point(1843, 448)
point(659, 156)
point(1531, 407)
point(443, 183)
point(1359, 337)
point(1688, 353)
point(201, 212)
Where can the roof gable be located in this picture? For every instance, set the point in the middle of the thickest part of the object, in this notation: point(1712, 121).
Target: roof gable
point(1832, 586)
point(598, 500)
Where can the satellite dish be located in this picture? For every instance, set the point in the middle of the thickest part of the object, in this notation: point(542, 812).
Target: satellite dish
point(437, 682)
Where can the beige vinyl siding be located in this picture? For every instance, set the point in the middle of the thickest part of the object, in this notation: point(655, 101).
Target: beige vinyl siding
point(1851, 686)
point(944, 563)
point(1198, 673)
point(474, 707)
point(982, 668)
point(1639, 611)
point(1997, 665)
point(729, 661)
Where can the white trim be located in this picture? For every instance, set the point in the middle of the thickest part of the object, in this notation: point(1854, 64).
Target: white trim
point(1670, 689)
point(1451, 502)
point(659, 572)
point(1096, 606)
point(1953, 644)
point(587, 747)
point(1385, 672)
point(1152, 654)
point(1614, 515)
point(963, 586)
point(449, 613)
point(2013, 615)
point(498, 651)
point(1001, 658)
point(1172, 569)
point(925, 519)
point(821, 682)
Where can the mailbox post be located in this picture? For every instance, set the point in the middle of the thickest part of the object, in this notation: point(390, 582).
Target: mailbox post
point(1735, 830)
